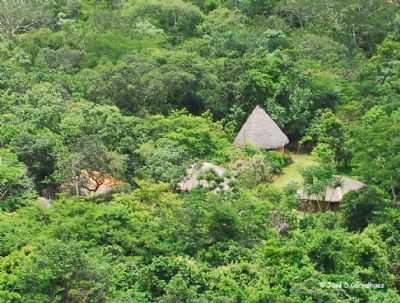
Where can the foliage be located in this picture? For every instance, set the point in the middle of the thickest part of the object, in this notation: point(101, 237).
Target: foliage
point(175, 16)
point(166, 162)
point(324, 153)
point(327, 129)
point(351, 22)
point(14, 183)
point(21, 16)
point(363, 207)
point(137, 91)
point(253, 171)
point(317, 179)
point(95, 159)
point(378, 163)
point(198, 135)
point(47, 274)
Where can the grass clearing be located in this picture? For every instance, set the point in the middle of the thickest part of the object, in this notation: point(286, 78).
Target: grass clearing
point(292, 173)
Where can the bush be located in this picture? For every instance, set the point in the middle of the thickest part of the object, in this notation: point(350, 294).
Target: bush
point(201, 137)
point(14, 183)
point(253, 171)
point(277, 160)
point(362, 207)
point(166, 162)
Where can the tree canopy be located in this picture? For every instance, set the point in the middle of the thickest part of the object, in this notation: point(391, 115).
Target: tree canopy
point(106, 105)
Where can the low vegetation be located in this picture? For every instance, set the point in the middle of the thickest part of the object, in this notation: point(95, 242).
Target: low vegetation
point(133, 93)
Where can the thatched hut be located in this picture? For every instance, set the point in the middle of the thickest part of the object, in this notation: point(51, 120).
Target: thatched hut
point(333, 195)
point(261, 131)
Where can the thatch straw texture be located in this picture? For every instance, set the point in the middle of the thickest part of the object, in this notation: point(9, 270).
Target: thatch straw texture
point(260, 130)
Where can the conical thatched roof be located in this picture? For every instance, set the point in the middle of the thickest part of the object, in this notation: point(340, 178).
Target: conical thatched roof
point(260, 130)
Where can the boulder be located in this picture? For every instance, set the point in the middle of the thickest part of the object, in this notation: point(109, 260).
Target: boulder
point(205, 175)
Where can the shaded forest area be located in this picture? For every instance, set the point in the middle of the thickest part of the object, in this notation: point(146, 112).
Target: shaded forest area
point(130, 93)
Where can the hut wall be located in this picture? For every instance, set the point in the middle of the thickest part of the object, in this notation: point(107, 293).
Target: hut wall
point(316, 206)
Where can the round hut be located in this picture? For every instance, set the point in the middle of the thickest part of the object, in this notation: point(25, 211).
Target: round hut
point(261, 131)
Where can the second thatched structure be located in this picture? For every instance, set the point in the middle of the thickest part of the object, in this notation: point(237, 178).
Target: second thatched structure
point(332, 197)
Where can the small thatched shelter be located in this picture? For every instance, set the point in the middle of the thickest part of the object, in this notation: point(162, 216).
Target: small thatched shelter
point(333, 196)
point(198, 175)
point(260, 130)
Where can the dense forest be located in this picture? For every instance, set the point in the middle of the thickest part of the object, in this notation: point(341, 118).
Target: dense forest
point(131, 93)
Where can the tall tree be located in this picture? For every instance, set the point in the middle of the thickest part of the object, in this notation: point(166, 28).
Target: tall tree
point(376, 149)
point(18, 16)
point(13, 180)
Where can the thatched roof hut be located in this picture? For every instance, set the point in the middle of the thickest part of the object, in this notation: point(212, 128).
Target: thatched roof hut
point(260, 130)
point(334, 195)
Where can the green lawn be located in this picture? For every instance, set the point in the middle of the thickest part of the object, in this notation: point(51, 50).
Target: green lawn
point(291, 173)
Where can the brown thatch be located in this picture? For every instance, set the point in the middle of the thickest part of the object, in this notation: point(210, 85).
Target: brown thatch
point(260, 130)
point(333, 195)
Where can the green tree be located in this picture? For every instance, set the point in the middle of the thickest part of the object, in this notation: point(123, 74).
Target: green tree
point(255, 7)
point(165, 162)
point(317, 179)
point(356, 23)
point(92, 157)
point(363, 207)
point(176, 17)
point(39, 152)
point(327, 129)
point(14, 182)
point(376, 158)
point(65, 272)
point(18, 16)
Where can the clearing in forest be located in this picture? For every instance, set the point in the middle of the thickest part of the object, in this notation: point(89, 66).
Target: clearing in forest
point(292, 172)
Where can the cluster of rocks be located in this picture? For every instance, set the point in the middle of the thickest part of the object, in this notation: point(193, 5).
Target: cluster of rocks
point(205, 175)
